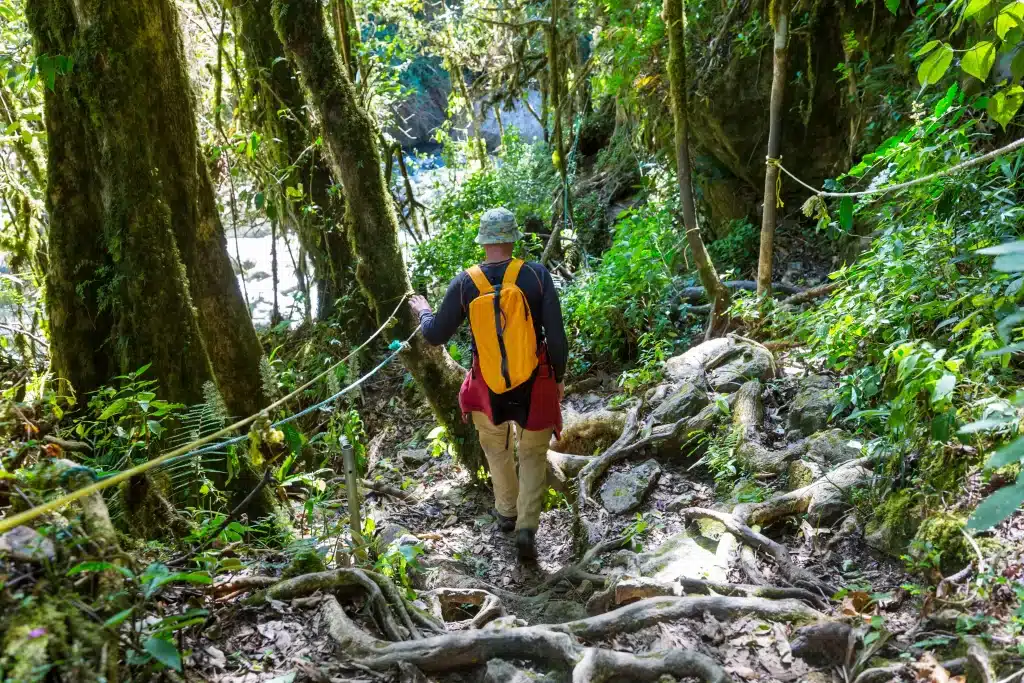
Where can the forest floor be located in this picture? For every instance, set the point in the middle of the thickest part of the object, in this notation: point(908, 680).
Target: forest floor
point(870, 618)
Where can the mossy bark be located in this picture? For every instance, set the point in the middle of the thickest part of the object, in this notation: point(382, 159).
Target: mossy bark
point(350, 136)
point(673, 13)
point(139, 270)
point(273, 87)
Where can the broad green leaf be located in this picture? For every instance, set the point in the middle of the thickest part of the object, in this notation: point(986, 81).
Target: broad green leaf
point(935, 65)
point(164, 652)
point(1007, 455)
point(1003, 106)
point(1016, 247)
point(944, 387)
point(1017, 65)
point(846, 214)
point(98, 567)
point(436, 432)
point(928, 47)
point(997, 507)
point(975, 6)
point(1009, 18)
point(986, 425)
point(893, 6)
point(1009, 263)
point(118, 618)
point(155, 427)
point(979, 59)
point(115, 408)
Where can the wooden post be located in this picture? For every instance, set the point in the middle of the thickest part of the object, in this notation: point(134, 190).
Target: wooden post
point(355, 516)
point(771, 175)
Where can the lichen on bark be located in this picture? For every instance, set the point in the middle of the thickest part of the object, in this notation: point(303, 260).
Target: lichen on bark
point(350, 136)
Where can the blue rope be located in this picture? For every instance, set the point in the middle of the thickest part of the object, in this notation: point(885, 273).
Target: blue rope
point(212, 448)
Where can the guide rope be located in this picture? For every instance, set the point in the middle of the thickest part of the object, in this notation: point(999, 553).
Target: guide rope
point(190, 449)
point(1013, 146)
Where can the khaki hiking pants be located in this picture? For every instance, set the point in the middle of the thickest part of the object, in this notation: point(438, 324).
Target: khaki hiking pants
point(521, 497)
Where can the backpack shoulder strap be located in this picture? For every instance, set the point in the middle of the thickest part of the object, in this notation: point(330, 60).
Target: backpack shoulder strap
point(480, 280)
point(512, 272)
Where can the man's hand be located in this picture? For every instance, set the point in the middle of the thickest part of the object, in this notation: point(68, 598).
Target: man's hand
point(561, 391)
point(419, 305)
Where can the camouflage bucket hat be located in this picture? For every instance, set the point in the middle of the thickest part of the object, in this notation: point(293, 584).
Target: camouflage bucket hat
point(498, 226)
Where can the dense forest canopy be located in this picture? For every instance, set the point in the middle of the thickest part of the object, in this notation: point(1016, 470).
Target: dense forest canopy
point(787, 237)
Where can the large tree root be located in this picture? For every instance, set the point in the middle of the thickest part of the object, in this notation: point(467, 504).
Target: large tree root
point(490, 606)
point(578, 570)
point(701, 587)
point(796, 575)
point(557, 645)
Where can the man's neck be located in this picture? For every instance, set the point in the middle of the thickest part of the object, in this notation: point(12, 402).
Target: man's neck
point(496, 253)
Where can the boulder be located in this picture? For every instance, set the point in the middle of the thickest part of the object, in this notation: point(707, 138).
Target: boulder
point(395, 533)
point(589, 433)
point(825, 644)
point(802, 473)
point(743, 363)
point(687, 401)
point(561, 611)
point(25, 544)
point(625, 491)
point(413, 457)
point(832, 447)
point(681, 502)
point(813, 405)
point(500, 671)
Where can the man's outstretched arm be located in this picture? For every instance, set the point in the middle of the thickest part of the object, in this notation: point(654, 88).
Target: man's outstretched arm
point(439, 327)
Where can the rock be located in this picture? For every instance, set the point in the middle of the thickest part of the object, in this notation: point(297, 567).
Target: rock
point(500, 671)
point(638, 588)
point(689, 366)
point(832, 447)
point(589, 433)
point(414, 457)
point(825, 644)
point(506, 622)
point(744, 363)
point(756, 459)
point(25, 544)
point(624, 491)
point(392, 533)
point(812, 407)
point(687, 401)
point(681, 502)
point(586, 589)
point(802, 473)
point(709, 528)
point(561, 611)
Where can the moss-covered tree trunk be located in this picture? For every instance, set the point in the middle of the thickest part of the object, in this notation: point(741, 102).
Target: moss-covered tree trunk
point(139, 271)
point(771, 176)
point(351, 140)
point(273, 88)
point(673, 14)
point(556, 79)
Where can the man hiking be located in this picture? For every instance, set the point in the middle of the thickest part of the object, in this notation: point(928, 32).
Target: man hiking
point(519, 358)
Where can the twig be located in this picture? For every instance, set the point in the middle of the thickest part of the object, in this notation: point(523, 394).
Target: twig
point(982, 567)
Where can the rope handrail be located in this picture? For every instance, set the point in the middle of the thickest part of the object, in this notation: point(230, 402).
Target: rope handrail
point(1013, 146)
point(191, 448)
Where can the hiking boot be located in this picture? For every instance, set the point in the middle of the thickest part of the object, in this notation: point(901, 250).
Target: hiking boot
point(526, 545)
point(505, 524)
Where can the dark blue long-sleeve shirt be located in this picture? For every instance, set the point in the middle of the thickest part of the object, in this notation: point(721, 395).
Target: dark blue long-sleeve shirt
point(535, 282)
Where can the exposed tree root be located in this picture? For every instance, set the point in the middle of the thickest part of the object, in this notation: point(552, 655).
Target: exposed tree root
point(599, 465)
point(701, 587)
point(698, 293)
point(576, 571)
point(546, 645)
point(793, 573)
point(811, 294)
point(490, 606)
point(244, 583)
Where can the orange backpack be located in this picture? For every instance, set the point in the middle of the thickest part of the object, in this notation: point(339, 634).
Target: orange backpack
point(506, 342)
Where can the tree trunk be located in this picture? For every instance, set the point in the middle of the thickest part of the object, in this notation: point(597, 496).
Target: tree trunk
point(674, 12)
point(771, 176)
point(322, 234)
point(139, 271)
point(350, 137)
point(555, 83)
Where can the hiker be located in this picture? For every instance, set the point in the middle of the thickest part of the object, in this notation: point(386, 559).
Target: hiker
point(519, 359)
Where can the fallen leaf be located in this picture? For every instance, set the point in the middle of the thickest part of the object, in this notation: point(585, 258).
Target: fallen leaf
point(928, 669)
point(217, 657)
point(451, 521)
point(855, 603)
point(742, 671)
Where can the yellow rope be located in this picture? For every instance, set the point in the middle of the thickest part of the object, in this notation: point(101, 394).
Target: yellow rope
point(772, 162)
point(28, 515)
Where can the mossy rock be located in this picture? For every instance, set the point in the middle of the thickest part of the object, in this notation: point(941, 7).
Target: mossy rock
point(813, 405)
point(943, 532)
point(53, 633)
point(306, 562)
point(894, 524)
point(802, 473)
